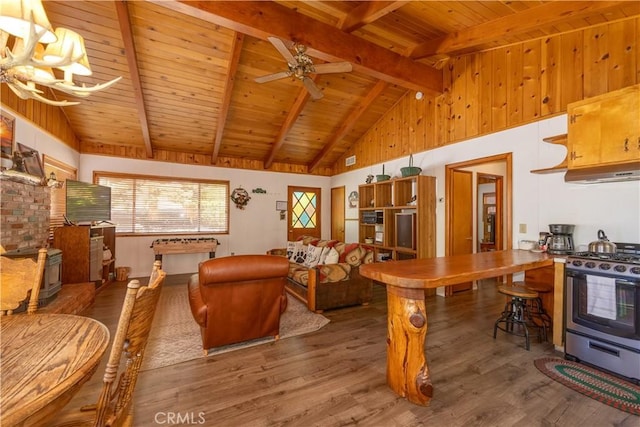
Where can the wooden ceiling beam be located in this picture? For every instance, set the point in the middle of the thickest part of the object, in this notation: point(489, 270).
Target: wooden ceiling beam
point(130, 52)
point(236, 49)
point(289, 121)
point(531, 19)
point(368, 12)
point(349, 122)
point(262, 19)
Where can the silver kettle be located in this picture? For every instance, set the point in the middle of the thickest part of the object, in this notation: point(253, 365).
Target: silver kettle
point(602, 245)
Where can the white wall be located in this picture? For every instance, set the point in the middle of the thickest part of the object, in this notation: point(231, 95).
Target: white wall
point(45, 143)
point(255, 229)
point(538, 199)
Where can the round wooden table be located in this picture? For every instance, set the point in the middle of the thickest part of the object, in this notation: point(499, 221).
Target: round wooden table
point(44, 359)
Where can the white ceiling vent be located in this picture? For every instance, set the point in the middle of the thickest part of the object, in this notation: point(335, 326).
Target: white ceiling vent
point(350, 161)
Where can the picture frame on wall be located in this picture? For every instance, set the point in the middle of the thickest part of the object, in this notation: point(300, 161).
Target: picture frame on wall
point(7, 135)
point(32, 161)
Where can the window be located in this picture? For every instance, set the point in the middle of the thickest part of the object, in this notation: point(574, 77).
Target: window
point(156, 205)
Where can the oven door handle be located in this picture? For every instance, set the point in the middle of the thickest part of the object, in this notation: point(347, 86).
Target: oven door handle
point(604, 349)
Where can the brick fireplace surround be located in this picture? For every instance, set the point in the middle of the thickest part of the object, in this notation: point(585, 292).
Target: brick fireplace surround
point(24, 224)
point(24, 212)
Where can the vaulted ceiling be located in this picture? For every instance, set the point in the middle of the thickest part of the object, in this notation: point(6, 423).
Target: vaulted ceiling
point(188, 69)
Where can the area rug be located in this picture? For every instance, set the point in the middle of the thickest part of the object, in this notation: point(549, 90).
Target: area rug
point(175, 336)
point(591, 382)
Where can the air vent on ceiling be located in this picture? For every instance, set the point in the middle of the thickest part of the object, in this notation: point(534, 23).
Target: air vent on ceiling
point(350, 161)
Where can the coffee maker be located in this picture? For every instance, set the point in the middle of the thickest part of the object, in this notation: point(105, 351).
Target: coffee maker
point(560, 241)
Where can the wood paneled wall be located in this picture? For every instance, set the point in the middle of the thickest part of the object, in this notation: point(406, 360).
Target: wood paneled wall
point(198, 159)
point(47, 117)
point(506, 87)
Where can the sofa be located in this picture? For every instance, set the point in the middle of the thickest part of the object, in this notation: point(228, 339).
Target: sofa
point(323, 283)
point(238, 298)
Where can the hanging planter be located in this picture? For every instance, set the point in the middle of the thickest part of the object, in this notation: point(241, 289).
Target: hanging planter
point(240, 197)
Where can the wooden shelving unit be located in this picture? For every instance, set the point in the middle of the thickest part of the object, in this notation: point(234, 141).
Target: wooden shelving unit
point(82, 252)
point(380, 202)
point(561, 167)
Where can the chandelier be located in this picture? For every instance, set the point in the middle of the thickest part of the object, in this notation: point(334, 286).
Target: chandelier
point(29, 63)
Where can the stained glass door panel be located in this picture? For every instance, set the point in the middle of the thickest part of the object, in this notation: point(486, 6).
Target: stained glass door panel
point(304, 212)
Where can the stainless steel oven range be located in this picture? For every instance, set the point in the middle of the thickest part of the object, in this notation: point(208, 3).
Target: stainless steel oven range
point(603, 310)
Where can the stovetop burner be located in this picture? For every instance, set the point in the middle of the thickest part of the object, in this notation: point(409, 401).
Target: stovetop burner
point(623, 263)
point(616, 257)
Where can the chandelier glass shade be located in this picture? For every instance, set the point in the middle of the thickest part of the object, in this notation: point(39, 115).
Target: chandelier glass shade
point(29, 63)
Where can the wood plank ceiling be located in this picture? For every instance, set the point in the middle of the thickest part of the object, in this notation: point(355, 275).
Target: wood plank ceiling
point(188, 69)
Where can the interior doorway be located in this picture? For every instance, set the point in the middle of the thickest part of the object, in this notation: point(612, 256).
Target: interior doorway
point(337, 213)
point(490, 191)
point(499, 168)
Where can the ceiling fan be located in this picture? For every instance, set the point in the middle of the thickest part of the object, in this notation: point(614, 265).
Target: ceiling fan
point(301, 65)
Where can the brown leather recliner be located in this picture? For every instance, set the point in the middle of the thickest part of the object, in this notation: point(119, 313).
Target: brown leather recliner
point(238, 298)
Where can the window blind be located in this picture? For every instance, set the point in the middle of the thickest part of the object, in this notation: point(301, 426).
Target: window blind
point(156, 205)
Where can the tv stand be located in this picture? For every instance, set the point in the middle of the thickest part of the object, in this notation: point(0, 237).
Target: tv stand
point(82, 253)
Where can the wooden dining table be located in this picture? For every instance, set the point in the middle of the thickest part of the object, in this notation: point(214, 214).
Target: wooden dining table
point(406, 281)
point(44, 360)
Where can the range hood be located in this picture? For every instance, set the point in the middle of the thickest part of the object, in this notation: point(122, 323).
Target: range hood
point(604, 173)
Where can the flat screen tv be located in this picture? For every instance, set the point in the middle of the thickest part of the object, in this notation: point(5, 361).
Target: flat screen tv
point(87, 203)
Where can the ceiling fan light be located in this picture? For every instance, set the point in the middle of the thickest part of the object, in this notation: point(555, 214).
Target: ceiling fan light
point(17, 16)
point(69, 41)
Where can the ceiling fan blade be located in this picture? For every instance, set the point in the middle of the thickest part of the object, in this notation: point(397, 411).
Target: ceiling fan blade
point(271, 77)
point(282, 48)
point(312, 88)
point(333, 67)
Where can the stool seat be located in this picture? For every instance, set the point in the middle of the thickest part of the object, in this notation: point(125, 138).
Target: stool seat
point(519, 291)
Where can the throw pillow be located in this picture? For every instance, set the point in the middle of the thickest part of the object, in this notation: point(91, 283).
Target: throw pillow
point(299, 253)
point(291, 247)
point(323, 255)
point(332, 257)
point(313, 256)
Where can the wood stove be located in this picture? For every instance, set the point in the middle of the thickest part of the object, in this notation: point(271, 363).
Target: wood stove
point(51, 278)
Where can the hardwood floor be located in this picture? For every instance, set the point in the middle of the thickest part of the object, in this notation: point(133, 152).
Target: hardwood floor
point(336, 376)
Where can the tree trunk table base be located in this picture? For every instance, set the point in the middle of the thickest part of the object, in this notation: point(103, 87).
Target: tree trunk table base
point(407, 282)
point(407, 370)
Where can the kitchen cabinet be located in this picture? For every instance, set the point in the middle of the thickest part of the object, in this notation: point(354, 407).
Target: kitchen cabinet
point(604, 129)
point(398, 215)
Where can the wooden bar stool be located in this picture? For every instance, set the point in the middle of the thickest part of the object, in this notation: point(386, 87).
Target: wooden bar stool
point(515, 318)
point(536, 308)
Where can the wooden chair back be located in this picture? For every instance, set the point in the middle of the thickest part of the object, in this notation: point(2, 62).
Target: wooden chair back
point(18, 278)
point(114, 406)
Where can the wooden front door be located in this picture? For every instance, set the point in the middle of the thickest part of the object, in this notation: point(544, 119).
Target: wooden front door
point(461, 220)
point(337, 214)
point(304, 212)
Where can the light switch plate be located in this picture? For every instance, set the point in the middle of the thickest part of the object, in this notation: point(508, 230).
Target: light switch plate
point(522, 228)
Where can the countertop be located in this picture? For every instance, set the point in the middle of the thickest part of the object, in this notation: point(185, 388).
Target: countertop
point(449, 270)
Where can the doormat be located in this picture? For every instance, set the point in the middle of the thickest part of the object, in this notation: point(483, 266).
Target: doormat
point(591, 382)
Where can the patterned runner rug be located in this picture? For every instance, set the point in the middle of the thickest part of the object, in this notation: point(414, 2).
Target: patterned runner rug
point(175, 336)
point(591, 382)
